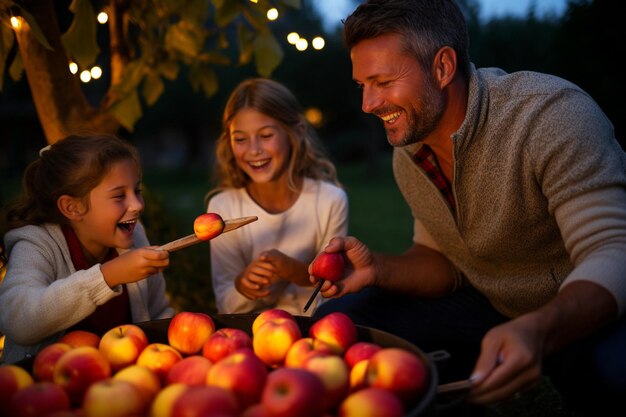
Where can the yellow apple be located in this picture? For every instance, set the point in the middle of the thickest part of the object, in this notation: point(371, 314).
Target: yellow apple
point(122, 345)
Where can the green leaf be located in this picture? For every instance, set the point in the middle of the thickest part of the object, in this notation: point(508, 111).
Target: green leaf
point(7, 39)
point(35, 29)
point(80, 39)
point(127, 111)
point(202, 77)
point(225, 12)
point(185, 38)
point(132, 76)
point(17, 67)
point(153, 87)
point(267, 53)
point(245, 38)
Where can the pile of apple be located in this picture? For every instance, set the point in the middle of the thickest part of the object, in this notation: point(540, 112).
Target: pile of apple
point(207, 372)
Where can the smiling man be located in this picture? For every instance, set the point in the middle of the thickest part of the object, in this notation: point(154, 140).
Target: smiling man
point(517, 187)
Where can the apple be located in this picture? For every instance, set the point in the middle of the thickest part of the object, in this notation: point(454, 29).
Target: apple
point(272, 340)
point(46, 358)
point(358, 374)
point(78, 368)
point(303, 349)
point(13, 378)
point(256, 410)
point(360, 351)
point(293, 392)
point(188, 331)
point(113, 398)
point(122, 345)
point(224, 342)
point(39, 399)
point(77, 338)
point(144, 379)
point(335, 329)
point(334, 374)
point(270, 314)
point(191, 370)
point(164, 401)
point(371, 402)
point(206, 401)
point(243, 374)
point(208, 225)
point(399, 371)
point(159, 358)
point(328, 266)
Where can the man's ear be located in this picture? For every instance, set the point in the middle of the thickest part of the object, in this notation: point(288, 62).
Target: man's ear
point(445, 66)
point(70, 207)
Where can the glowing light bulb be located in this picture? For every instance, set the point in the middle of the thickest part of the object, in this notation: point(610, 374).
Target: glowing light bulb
point(302, 44)
point(15, 22)
point(272, 14)
point(102, 18)
point(96, 72)
point(73, 67)
point(293, 37)
point(85, 76)
point(318, 42)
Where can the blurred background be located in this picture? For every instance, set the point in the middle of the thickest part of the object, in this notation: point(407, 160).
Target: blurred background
point(577, 40)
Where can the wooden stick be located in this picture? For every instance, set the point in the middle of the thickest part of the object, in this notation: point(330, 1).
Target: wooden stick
point(454, 386)
point(183, 242)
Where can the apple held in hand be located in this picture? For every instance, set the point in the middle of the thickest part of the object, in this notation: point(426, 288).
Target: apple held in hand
point(13, 378)
point(336, 330)
point(224, 342)
point(188, 331)
point(39, 399)
point(371, 402)
point(328, 266)
point(78, 368)
point(399, 371)
point(122, 345)
point(113, 398)
point(293, 392)
point(208, 225)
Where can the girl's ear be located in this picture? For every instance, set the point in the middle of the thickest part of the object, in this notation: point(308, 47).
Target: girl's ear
point(70, 207)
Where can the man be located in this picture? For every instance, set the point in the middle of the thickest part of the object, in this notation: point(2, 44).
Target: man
point(517, 188)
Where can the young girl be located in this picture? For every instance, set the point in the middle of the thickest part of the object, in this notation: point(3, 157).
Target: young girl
point(71, 239)
point(271, 165)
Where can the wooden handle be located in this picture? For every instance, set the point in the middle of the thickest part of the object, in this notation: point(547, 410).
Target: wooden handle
point(229, 225)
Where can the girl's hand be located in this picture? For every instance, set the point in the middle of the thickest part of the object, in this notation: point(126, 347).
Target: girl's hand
point(255, 280)
point(286, 268)
point(135, 265)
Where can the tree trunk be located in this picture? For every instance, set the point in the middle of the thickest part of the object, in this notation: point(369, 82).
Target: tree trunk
point(59, 99)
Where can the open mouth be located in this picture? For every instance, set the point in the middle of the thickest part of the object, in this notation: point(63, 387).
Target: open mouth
point(259, 164)
point(128, 225)
point(391, 117)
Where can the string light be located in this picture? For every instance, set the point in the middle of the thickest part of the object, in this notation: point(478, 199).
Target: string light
point(302, 44)
point(15, 22)
point(85, 76)
point(96, 72)
point(272, 14)
point(102, 18)
point(293, 37)
point(73, 67)
point(318, 42)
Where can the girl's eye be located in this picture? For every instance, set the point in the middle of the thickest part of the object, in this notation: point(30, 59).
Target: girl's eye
point(267, 135)
point(239, 140)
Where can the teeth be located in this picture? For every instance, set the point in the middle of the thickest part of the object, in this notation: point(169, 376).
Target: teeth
point(390, 118)
point(129, 221)
point(257, 164)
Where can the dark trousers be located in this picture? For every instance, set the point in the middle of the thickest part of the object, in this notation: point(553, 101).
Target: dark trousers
point(591, 375)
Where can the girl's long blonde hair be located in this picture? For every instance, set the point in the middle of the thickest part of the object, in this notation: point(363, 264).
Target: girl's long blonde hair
point(273, 99)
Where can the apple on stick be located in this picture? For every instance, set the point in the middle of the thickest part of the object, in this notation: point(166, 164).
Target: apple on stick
point(325, 266)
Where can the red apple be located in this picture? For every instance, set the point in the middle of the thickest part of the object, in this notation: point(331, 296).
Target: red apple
point(46, 358)
point(113, 398)
point(328, 266)
point(270, 314)
point(164, 401)
point(208, 225)
point(335, 329)
point(159, 358)
point(399, 371)
point(192, 370)
point(358, 375)
point(243, 374)
point(39, 399)
point(78, 368)
point(224, 342)
point(256, 410)
point(272, 340)
point(188, 331)
point(77, 338)
point(303, 349)
point(359, 351)
point(371, 402)
point(13, 378)
point(144, 379)
point(335, 375)
point(293, 392)
point(206, 401)
point(122, 345)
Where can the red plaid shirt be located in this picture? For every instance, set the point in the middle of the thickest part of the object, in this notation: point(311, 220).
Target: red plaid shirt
point(426, 159)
